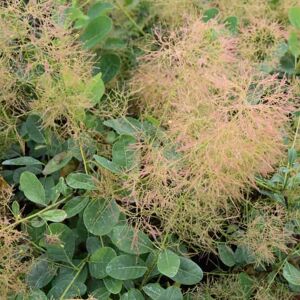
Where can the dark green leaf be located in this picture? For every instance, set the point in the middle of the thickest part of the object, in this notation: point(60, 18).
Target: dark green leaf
point(171, 292)
point(34, 129)
point(101, 294)
point(32, 188)
point(153, 290)
point(92, 244)
point(246, 284)
point(109, 65)
point(130, 241)
point(125, 126)
point(96, 31)
point(291, 274)
point(81, 181)
point(99, 261)
point(107, 164)
point(59, 242)
point(54, 215)
point(189, 273)
point(123, 153)
point(57, 162)
point(75, 290)
point(168, 263)
point(75, 206)
point(113, 285)
point(125, 267)
point(226, 255)
point(22, 161)
point(132, 294)
point(100, 216)
point(41, 273)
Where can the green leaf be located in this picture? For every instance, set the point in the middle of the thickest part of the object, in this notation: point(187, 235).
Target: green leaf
point(54, 215)
point(112, 43)
point(125, 126)
point(22, 161)
point(113, 285)
point(232, 24)
point(123, 153)
point(41, 273)
point(226, 255)
point(210, 14)
point(287, 63)
point(133, 294)
point(59, 242)
point(171, 292)
point(294, 16)
point(92, 244)
point(99, 261)
point(77, 16)
point(292, 155)
point(243, 255)
point(153, 290)
point(96, 31)
point(59, 161)
point(37, 295)
point(109, 65)
point(131, 241)
point(81, 181)
point(294, 44)
point(95, 89)
point(99, 9)
point(74, 206)
point(107, 164)
point(101, 294)
point(246, 284)
point(15, 207)
point(32, 188)
point(33, 126)
point(100, 216)
point(168, 263)
point(189, 273)
point(291, 274)
point(125, 267)
point(76, 289)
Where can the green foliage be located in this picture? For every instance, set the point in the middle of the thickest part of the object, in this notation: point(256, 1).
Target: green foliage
point(75, 193)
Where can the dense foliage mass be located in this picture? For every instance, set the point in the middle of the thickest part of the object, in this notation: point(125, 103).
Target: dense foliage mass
point(150, 149)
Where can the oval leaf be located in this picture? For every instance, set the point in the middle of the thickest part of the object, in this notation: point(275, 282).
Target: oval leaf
point(132, 294)
point(189, 273)
point(22, 161)
point(99, 261)
point(32, 188)
point(171, 292)
point(168, 263)
point(75, 206)
point(125, 267)
point(113, 285)
point(96, 31)
point(54, 215)
point(226, 255)
point(291, 274)
point(41, 273)
point(130, 241)
point(81, 181)
point(100, 216)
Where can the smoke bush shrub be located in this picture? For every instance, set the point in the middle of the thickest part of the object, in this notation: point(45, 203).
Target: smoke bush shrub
point(225, 120)
point(43, 66)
